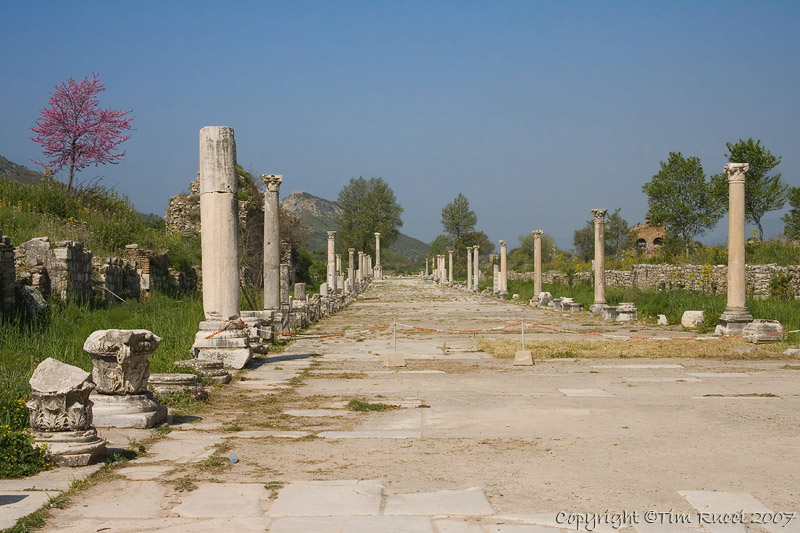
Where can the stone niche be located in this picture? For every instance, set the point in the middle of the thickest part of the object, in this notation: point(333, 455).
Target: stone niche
point(121, 370)
point(61, 413)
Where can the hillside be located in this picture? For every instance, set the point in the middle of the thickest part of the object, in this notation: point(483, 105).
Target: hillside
point(11, 170)
point(321, 215)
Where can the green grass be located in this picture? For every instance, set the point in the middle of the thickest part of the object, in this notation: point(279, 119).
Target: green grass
point(359, 405)
point(672, 303)
point(62, 332)
point(99, 217)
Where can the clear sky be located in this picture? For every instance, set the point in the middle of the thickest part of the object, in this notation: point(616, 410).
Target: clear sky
point(536, 111)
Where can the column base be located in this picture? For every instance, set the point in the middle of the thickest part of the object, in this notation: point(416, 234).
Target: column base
point(72, 448)
point(596, 309)
point(523, 358)
point(733, 320)
point(127, 411)
point(218, 340)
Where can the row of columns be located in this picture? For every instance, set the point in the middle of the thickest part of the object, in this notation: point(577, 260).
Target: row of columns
point(365, 268)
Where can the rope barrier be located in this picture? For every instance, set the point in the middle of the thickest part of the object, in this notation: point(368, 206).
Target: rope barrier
point(227, 323)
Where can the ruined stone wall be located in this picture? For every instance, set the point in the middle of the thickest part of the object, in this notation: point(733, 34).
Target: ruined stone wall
point(117, 279)
point(7, 276)
point(63, 269)
point(704, 278)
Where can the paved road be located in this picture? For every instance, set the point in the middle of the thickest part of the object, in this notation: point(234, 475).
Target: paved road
point(471, 442)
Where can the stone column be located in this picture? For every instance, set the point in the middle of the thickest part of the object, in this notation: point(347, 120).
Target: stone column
point(361, 273)
point(284, 289)
point(450, 266)
point(338, 263)
point(219, 218)
point(332, 262)
point(272, 236)
point(599, 262)
point(469, 268)
point(426, 266)
point(219, 238)
point(351, 268)
point(378, 267)
point(476, 266)
point(537, 262)
point(503, 269)
point(495, 279)
point(736, 316)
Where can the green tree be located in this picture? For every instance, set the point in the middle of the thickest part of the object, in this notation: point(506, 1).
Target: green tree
point(792, 218)
point(458, 220)
point(521, 259)
point(368, 206)
point(440, 245)
point(762, 193)
point(680, 198)
point(618, 237)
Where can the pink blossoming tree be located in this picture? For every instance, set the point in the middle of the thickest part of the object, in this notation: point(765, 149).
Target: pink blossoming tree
point(75, 132)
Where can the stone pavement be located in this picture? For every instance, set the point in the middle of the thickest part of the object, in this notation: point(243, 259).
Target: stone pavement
point(471, 444)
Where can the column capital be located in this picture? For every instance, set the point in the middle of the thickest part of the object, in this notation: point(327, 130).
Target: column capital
point(537, 233)
point(450, 252)
point(736, 171)
point(272, 181)
point(502, 244)
point(351, 250)
point(331, 235)
point(599, 214)
point(377, 234)
point(476, 247)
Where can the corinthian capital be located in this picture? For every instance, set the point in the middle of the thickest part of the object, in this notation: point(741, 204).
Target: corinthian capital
point(502, 244)
point(331, 235)
point(537, 233)
point(272, 181)
point(736, 171)
point(599, 214)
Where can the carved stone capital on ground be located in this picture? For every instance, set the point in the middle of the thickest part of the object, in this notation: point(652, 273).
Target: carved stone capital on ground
point(736, 171)
point(272, 181)
point(60, 397)
point(119, 359)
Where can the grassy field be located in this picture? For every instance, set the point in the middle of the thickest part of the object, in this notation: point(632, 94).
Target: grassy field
point(670, 303)
point(65, 328)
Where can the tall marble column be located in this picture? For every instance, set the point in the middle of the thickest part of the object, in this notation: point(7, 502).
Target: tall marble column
point(469, 268)
point(378, 267)
point(736, 315)
point(599, 262)
point(350, 268)
point(361, 267)
point(272, 236)
point(476, 274)
point(332, 262)
point(537, 262)
point(450, 266)
point(426, 266)
point(503, 269)
point(219, 239)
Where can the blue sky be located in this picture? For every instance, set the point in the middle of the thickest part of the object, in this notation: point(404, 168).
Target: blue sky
point(536, 111)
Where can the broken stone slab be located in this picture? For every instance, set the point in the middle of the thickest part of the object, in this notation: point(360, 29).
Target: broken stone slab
point(544, 299)
point(172, 382)
point(121, 371)
point(761, 331)
point(610, 312)
point(692, 319)
point(793, 352)
point(468, 502)
point(61, 413)
point(213, 371)
point(662, 320)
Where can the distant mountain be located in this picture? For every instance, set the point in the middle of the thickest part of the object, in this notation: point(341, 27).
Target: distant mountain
point(11, 170)
point(321, 215)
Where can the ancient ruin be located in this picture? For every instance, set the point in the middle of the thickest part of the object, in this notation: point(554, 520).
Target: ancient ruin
point(61, 413)
point(736, 315)
point(272, 238)
point(537, 262)
point(599, 262)
point(121, 371)
point(222, 336)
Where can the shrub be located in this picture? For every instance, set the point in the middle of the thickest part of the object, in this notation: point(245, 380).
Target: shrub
point(20, 457)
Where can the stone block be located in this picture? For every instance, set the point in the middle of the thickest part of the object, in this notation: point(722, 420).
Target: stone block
point(394, 359)
point(127, 411)
point(523, 358)
point(692, 319)
point(662, 320)
point(761, 331)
